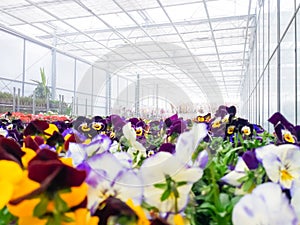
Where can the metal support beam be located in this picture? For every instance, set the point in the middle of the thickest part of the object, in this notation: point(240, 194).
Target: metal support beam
point(53, 71)
point(137, 96)
point(108, 94)
point(24, 67)
point(156, 95)
point(215, 43)
point(14, 99)
point(159, 25)
point(74, 88)
point(92, 96)
point(33, 103)
point(18, 100)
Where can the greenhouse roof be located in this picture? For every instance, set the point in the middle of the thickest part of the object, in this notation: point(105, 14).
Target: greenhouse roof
point(201, 45)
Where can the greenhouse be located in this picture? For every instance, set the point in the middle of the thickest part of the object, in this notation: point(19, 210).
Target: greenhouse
point(150, 112)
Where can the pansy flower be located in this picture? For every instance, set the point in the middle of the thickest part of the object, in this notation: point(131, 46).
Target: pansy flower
point(169, 121)
point(177, 127)
point(62, 125)
point(83, 125)
point(168, 178)
point(234, 176)
point(73, 136)
point(98, 124)
point(80, 152)
point(168, 182)
point(40, 127)
point(112, 210)
point(10, 168)
point(281, 163)
point(135, 148)
point(265, 205)
point(203, 118)
point(295, 194)
point(285, 131)
point(110, 178)
point(116, 123)
point(61, 187)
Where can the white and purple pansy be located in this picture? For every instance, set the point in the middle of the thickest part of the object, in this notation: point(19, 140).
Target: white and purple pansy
point(281, 163)
point(187, 143)
point(266, 205)
point(295, 194)
point(135, 147)
point(168, 178)
point(80, 152)
point(168, 182)
point(233, 177)
point(112, 179)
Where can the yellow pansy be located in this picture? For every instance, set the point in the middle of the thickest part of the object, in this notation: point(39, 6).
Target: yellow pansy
point(31, 220)
point(139, 212)
point(25, 186)
point(81, 217)
point(50, 130)
point(10, 176)
point(29, 154)
point(76, 196)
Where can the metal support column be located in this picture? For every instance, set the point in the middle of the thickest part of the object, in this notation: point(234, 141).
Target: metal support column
point(33, 103)
point(92, 97)
point(53, 77)
point(108, 94)
point(47, 103)
point(14, 99)
point(137, 96)
point(24, 67)
point(278, 55)
point(86, 106)
point(156, 95)
point(18, 100)
point(74, 89)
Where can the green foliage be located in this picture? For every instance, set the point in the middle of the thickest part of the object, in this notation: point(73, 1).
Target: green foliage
point(214, 200)
point(42, 91)
point(6, 218)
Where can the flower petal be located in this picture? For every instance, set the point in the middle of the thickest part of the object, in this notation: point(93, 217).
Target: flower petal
point(7, 189)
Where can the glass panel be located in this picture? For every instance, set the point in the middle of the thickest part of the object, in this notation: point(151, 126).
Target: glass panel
point(37, 58)
point(273, 25)
point(273, 86)
point(265, 122)
point(81, 70)
point(287, 9)
point(298, 67)
point(11, 55)
point(261, 101)
point(260, 43)
point(266, 32)
point(287, 75)
point(64, 72)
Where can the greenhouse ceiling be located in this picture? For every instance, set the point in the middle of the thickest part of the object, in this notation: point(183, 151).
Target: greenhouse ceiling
point(203, 46)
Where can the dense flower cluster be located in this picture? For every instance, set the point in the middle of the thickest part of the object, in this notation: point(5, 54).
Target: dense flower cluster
point(218, 169)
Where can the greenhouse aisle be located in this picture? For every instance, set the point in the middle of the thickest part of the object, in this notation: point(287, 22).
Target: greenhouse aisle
point(149, 112)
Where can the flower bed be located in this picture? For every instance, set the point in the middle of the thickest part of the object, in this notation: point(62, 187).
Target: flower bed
point(111, 170)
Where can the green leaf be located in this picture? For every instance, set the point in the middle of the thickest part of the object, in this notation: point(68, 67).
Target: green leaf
point(67, 219)
point(208, 206)
point(224, 199)
point(166, 194)
point(248, 185)
point(41, 208)
point(160, 185)
point(6, 217)
point(60, 204)
point(181, 183)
